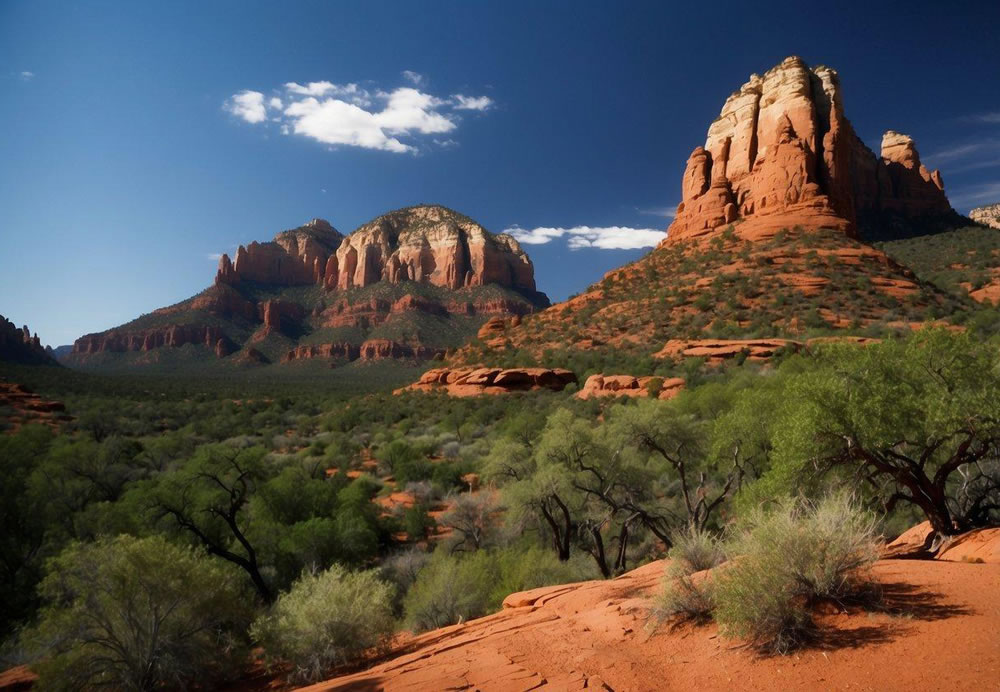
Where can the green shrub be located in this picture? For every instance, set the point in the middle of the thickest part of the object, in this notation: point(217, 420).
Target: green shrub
point(455, 588)
point(138, 614)
point(326, 619)
point(684, 598)
point(787, 559)
point(695, 550)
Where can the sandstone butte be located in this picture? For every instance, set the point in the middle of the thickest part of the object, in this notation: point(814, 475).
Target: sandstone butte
point(782, 154)
point(475, 381)
point(936, 630)
point(987, 216)
point(424, 245)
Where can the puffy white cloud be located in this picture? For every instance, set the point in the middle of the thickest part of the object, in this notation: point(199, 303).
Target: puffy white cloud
point(248, 105)
point(472, 103)
point(337, 122)
point(348, 115)
point(602, 237)
point(27, 76)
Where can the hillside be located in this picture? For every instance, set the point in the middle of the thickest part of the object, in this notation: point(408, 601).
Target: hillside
point(771, 239)
point(409, 285)
point(965, 260)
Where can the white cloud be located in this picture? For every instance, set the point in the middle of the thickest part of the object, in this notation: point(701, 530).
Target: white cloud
point(248, 105)
point(333, 121)
point(414, 78)
point(975, 195)
point(27, 76)
point(347, 115)
point(992, 118)
point(214, 256)
point(666, 212)
point(602, 237)
point(472, 103)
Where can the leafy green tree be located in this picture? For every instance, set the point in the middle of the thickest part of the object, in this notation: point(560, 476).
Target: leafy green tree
point(209, 498)
point(137, 614)
point(914, 421)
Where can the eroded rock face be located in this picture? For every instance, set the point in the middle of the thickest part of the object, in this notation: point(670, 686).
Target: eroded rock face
point(987, 216)
point(427, 244)
point(476, 381)
point(782, 154)
point(148, 339)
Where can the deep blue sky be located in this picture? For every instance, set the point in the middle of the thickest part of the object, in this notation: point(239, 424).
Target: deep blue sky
point(122, 170)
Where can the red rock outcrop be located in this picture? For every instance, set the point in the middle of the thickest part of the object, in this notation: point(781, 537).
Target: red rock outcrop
point(627, 385)
point(716, 351)
point(148, 339)
point(24, 407)
point(987, 216)
point(342, 350)
point(782, 154)
point(383, 349)
point(21, 346)
point(475, 381)
point(294, 258)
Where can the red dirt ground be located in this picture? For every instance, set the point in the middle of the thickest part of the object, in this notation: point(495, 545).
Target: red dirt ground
point(940, 631)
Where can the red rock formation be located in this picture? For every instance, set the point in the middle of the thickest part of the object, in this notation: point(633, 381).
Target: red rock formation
point(383, 349)
point(336, 350)
point(987, 216)
point(27, 407)
point(475, 381)
point(278, 313)
point(427, 244)
point(715, 351)
point(21, 346)
point(627, 385)
point(782, 154)
point(148, 339)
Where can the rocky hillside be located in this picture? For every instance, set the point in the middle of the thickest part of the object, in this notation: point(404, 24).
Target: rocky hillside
point(987, 216)
point(21, 346)
point(771, 240)
point(410, 284)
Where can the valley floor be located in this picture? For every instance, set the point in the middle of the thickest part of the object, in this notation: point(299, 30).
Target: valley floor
point(938, 629)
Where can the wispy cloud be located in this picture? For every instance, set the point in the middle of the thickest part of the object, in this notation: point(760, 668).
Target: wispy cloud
point(414, 78)
point(990, 118)
point(349, 115)
point(967, 197)
point(214, 256)
point(665, 212)
point(601, 237)
point(27, 76)
point(472, 103)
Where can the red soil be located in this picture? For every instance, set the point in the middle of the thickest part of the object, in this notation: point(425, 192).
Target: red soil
point(940, 632)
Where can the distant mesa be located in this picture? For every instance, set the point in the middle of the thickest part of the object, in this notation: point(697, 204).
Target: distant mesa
point(782, 154)
point(987, 216)
point(410, 284)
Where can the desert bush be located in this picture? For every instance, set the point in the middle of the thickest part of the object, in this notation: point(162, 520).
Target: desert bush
point(786, 559)
point(695, 550)
point(326, 619)
point(137, 614)
point(682, 597)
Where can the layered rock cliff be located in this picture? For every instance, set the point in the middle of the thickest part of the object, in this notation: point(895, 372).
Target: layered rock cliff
point(987, 216)
point(409, 284)
point(783, 154)
point(429, 244)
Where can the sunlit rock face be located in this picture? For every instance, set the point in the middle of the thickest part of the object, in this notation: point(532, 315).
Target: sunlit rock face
point(783, 154)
